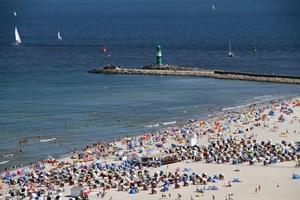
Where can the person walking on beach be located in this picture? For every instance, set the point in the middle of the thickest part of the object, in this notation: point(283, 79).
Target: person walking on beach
point(179, 196)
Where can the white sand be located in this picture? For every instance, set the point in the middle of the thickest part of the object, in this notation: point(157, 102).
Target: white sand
point(251, 176)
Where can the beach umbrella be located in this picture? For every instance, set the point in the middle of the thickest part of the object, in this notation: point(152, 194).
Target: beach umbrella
point(30, 189)
point(87, 192)
point(20, 172)
point(211, 130)
point(43, 173)
point(88, 151)
point(136, 142)
point(132, 191)
point(295, 176)
point(7, 175)
point(235, 180)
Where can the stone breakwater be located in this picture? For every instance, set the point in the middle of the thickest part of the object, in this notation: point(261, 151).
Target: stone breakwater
point(171, 70)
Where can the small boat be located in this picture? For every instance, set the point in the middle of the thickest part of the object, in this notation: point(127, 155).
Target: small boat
point(213, 7)
point(15, 14)
point(48, 140)
point(18, 39)
point(230, 53)
point(59, 36)
point(3, 162)
point(50, 160)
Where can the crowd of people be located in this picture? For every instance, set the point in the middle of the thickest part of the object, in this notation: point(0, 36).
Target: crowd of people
point(96, 174)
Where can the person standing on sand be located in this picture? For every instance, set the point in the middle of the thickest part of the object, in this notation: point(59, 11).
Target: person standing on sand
point(213, 197)
point(179, 196)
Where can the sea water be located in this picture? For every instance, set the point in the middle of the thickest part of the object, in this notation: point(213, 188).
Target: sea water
point(46, 92)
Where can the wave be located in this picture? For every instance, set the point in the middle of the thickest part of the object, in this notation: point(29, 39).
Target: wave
point(237, 107)
point(152, 125)
point(3, 162)
point(229, 108)
point(48, 140)
point(8, 155)
point(263, 97)
point(167, 123)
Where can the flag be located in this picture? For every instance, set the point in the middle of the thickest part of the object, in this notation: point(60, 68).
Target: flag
point(104, 49)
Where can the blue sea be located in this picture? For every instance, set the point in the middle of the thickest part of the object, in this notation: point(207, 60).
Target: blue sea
point(46, 92)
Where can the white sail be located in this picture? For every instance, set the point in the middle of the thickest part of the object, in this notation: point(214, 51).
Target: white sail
point(18, 39)
point(230, 53)
point(213, 6)
point(15, 14)
point(58, 35)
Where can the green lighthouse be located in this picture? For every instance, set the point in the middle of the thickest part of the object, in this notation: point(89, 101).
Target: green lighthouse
point(158, 55)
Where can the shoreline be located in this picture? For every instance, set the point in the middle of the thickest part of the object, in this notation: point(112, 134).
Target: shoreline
point(213, 114)
point(172, 70)
point(111, 158)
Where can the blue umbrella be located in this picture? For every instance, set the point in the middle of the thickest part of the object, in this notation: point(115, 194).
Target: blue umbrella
point(132, 191)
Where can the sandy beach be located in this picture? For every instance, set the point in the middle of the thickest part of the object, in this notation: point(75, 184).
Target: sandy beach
point(248, 153)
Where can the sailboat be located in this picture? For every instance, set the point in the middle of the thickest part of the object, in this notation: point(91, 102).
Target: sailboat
point(58, 35)
point(15, 14)
point(230, 53)
point(213, 7)
point(18, 39)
